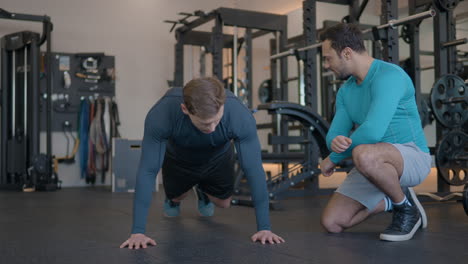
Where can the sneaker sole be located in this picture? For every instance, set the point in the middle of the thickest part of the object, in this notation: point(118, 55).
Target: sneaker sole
point(396, 238)
point(414, 198)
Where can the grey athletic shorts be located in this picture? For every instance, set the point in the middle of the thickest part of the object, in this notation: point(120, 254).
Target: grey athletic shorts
point(416, 167)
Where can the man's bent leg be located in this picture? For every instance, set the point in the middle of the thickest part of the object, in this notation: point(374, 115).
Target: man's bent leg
point(180, 198)
point(343, 212)
point(218, 183)
point(222, 203)
point(178, 179)
point(381, 164)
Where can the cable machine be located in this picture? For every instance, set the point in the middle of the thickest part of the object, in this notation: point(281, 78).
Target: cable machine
point(22, 166)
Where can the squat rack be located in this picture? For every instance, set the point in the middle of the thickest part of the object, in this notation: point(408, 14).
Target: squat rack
point(256, 24)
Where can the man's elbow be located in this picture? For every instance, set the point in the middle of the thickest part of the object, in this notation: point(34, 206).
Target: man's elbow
point(372, 139)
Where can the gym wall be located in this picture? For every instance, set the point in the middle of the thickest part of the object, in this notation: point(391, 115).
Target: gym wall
point(134, 33)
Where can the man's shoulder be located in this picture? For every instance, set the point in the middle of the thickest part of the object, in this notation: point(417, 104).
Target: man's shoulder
point(234, 105)
point(388, 69)
point(168, 103)
point(174, 92)
point(237, 116)
point(172, 96)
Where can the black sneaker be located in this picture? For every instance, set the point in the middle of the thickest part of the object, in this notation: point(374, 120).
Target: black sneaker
point(406, 220)
point(413, 198)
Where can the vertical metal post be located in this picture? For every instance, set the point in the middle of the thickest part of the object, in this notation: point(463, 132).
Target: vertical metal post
point(310, 37)
point(49, 96)
point(217, 48)
point(34, 106)
point(390, 41)
point(444, 62)
point(248, 65)
point(202, 61)
point(275, 75)
point(5, 58)
point(415, 69)
point(284, 127)
point(283, 40)
point(234, 63)
point(353, 11)
point(13, 93)
point(301, 82)
point(25, 91)
point(278, 68)
point(179, 60)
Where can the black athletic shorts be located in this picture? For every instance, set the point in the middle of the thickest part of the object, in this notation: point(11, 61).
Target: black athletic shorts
point(215, 178)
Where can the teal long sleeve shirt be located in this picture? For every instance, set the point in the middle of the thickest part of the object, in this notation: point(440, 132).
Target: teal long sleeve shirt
point(382, 107)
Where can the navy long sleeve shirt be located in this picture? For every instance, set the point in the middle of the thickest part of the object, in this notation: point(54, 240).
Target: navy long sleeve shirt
point(168, 129)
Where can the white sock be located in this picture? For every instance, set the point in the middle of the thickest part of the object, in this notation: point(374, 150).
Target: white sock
point(405, 201)
point(388, 204)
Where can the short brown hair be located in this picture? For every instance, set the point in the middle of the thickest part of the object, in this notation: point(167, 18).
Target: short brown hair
point(204, 97)
point(344, 35)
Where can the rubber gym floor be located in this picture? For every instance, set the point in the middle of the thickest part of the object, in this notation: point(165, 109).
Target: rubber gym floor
point(87, 225)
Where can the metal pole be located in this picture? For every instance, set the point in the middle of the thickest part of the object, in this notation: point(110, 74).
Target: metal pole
point(282, 54)
point(13, 93)
point(35, 116)
point(278, 70)
point(234, 63)
point(392, 23)
point(396, 22)
point(49, 96)
point(301, 82)
point(202, 61)
point(25, 89)
point(217, 48)
point(455, 42)
point(4, 112)
point(313, 46)
point(278, 84)
point(179, 60)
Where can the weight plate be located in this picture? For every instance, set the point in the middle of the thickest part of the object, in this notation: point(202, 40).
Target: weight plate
point(243, 93)
point(406, 34)
point(40, 163)
point(449, 101)
point(451, 158)
point(447, 5)
point(265, 91)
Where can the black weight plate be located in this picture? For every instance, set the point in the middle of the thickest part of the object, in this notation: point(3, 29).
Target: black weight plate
point(243, 93)
point(447, 4)
point(451, 159)
point(40, 163)
point(450, 115)
point(265, 91)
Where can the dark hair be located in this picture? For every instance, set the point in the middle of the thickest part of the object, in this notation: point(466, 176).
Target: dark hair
point(344, 35)
point(204, 97)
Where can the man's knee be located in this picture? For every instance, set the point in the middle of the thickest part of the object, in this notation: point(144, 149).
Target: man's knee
point(330, 224)
point(363, 157)
point(226, 203)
